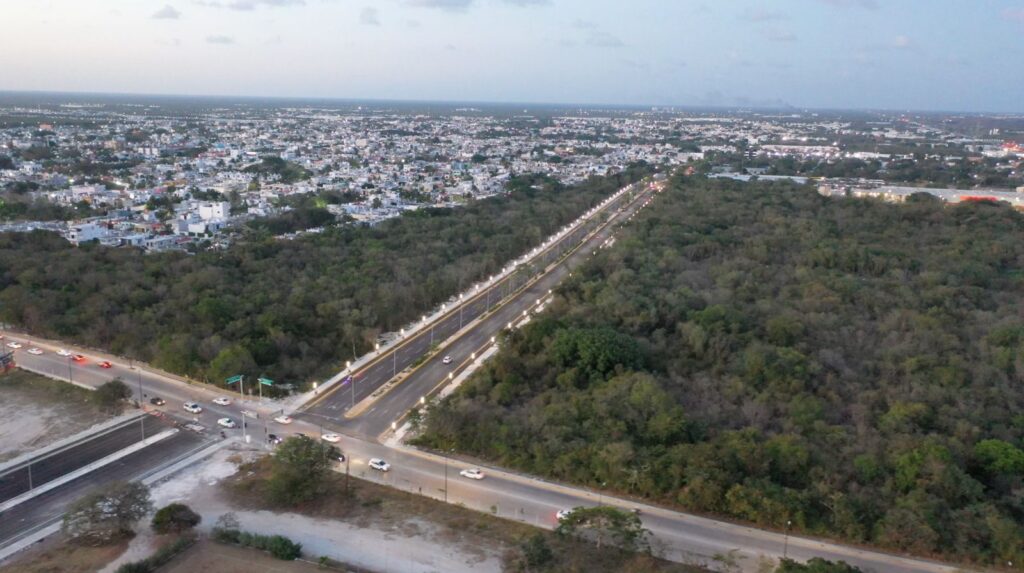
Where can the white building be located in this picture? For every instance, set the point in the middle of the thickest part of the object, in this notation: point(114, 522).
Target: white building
point(78, 234)
point(215, 210)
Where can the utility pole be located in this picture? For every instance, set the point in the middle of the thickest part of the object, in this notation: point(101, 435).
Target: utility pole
point(785, 543)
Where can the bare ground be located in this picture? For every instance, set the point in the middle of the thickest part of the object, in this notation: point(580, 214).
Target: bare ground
point(36, 411)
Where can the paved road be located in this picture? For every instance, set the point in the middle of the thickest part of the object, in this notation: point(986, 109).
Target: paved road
point(48, 507)
point(37, 472)
point(434, 372)
point(332, 406)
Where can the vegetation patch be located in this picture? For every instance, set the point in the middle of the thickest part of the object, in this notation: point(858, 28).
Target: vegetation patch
point(762, 352)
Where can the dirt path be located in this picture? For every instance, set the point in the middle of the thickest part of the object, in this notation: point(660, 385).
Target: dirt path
point(413, 546)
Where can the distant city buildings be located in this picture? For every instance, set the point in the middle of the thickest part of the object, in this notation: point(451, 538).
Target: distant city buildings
point(165, 178)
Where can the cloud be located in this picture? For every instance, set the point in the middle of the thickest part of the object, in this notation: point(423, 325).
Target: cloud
point(222, 40)
point(776, 35)
point(1014, 14)
point(446, 5)
point(902, 43)
point(369, 16)
point(761, 16)
point(249, 5)
point(166, 13)
point(583, 24)
point(525, 3)
point(600, 39)
point(867, 4)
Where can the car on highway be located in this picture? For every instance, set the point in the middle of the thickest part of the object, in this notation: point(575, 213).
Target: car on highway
point(274, 439)
point(331, 437)
point(447, 360)
point(564, 514)
point(78, 358)
point(157, 401)
point(227, 423)
point(63, 352)
point(282, 419)
point(105, 364)
point(222, 401)
point(379, 465)
point(472, 473)
point(14, 345)
point(192, 407)
point(34, 351)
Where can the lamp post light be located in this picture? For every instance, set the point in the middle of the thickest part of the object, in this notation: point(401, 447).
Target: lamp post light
point(785, 543)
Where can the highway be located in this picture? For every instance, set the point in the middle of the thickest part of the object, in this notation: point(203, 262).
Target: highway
point(37, 472)
point(681, 536)
point(433, 372)
point(49, 506)
point(332, 405)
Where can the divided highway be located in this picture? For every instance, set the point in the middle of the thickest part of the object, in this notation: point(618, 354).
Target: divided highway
point(492, 303)
point(48, 467)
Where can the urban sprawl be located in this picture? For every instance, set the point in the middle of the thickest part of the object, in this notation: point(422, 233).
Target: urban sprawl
point(186, 178)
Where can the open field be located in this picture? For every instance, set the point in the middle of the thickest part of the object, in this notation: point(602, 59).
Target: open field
point(57, 555)
point(211, 557)
point(36, 411)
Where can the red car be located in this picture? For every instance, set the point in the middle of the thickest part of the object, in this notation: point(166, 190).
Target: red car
point(105, 364)
point(78, 358)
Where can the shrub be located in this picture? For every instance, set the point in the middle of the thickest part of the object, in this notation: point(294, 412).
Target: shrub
point(174, 518)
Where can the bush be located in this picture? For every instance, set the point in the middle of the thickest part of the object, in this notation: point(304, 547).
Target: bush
point(536, 551)
point(110, 397)
point(160, 558)
point(175, 518)
point(277, 545)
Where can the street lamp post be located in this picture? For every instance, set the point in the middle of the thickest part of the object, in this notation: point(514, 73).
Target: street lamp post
point(785, 543)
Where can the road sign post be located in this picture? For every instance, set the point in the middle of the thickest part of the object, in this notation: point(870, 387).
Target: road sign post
point(264, 382)
point(240, 379)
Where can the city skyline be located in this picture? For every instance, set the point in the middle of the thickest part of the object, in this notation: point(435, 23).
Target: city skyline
point(827, 54)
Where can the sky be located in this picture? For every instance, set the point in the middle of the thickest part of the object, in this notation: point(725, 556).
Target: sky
point(946, 55)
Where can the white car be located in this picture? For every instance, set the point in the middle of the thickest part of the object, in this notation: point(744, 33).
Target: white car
point(447, 360)
point(192, 407)
point(13, 344)
point(63, 352)
point(34, 351)
point(282, 419)
point(472, 473)
point(563, 514)
point(227, 423)
point(332, 438)
point(222, 401)
point(379, 465)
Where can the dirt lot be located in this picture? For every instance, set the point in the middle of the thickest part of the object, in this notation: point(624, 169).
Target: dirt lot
point(56, 555)
point(210, 557)
point(36, 411)
point(370, 506)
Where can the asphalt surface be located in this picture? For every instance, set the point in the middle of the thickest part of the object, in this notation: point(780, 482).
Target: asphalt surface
point(48, 507)
point(330, 409)
point(37, 472)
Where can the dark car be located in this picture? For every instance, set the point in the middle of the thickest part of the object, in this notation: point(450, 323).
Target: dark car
point(157, 401)
point(274, 439)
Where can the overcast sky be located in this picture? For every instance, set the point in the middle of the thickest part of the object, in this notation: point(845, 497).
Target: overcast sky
point(895, 54)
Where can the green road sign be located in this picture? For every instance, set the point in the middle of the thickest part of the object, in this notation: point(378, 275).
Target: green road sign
point(266, 381)
point(233, 379)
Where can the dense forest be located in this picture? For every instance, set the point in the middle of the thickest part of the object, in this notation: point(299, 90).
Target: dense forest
point(290, 309)
point(761, 352)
